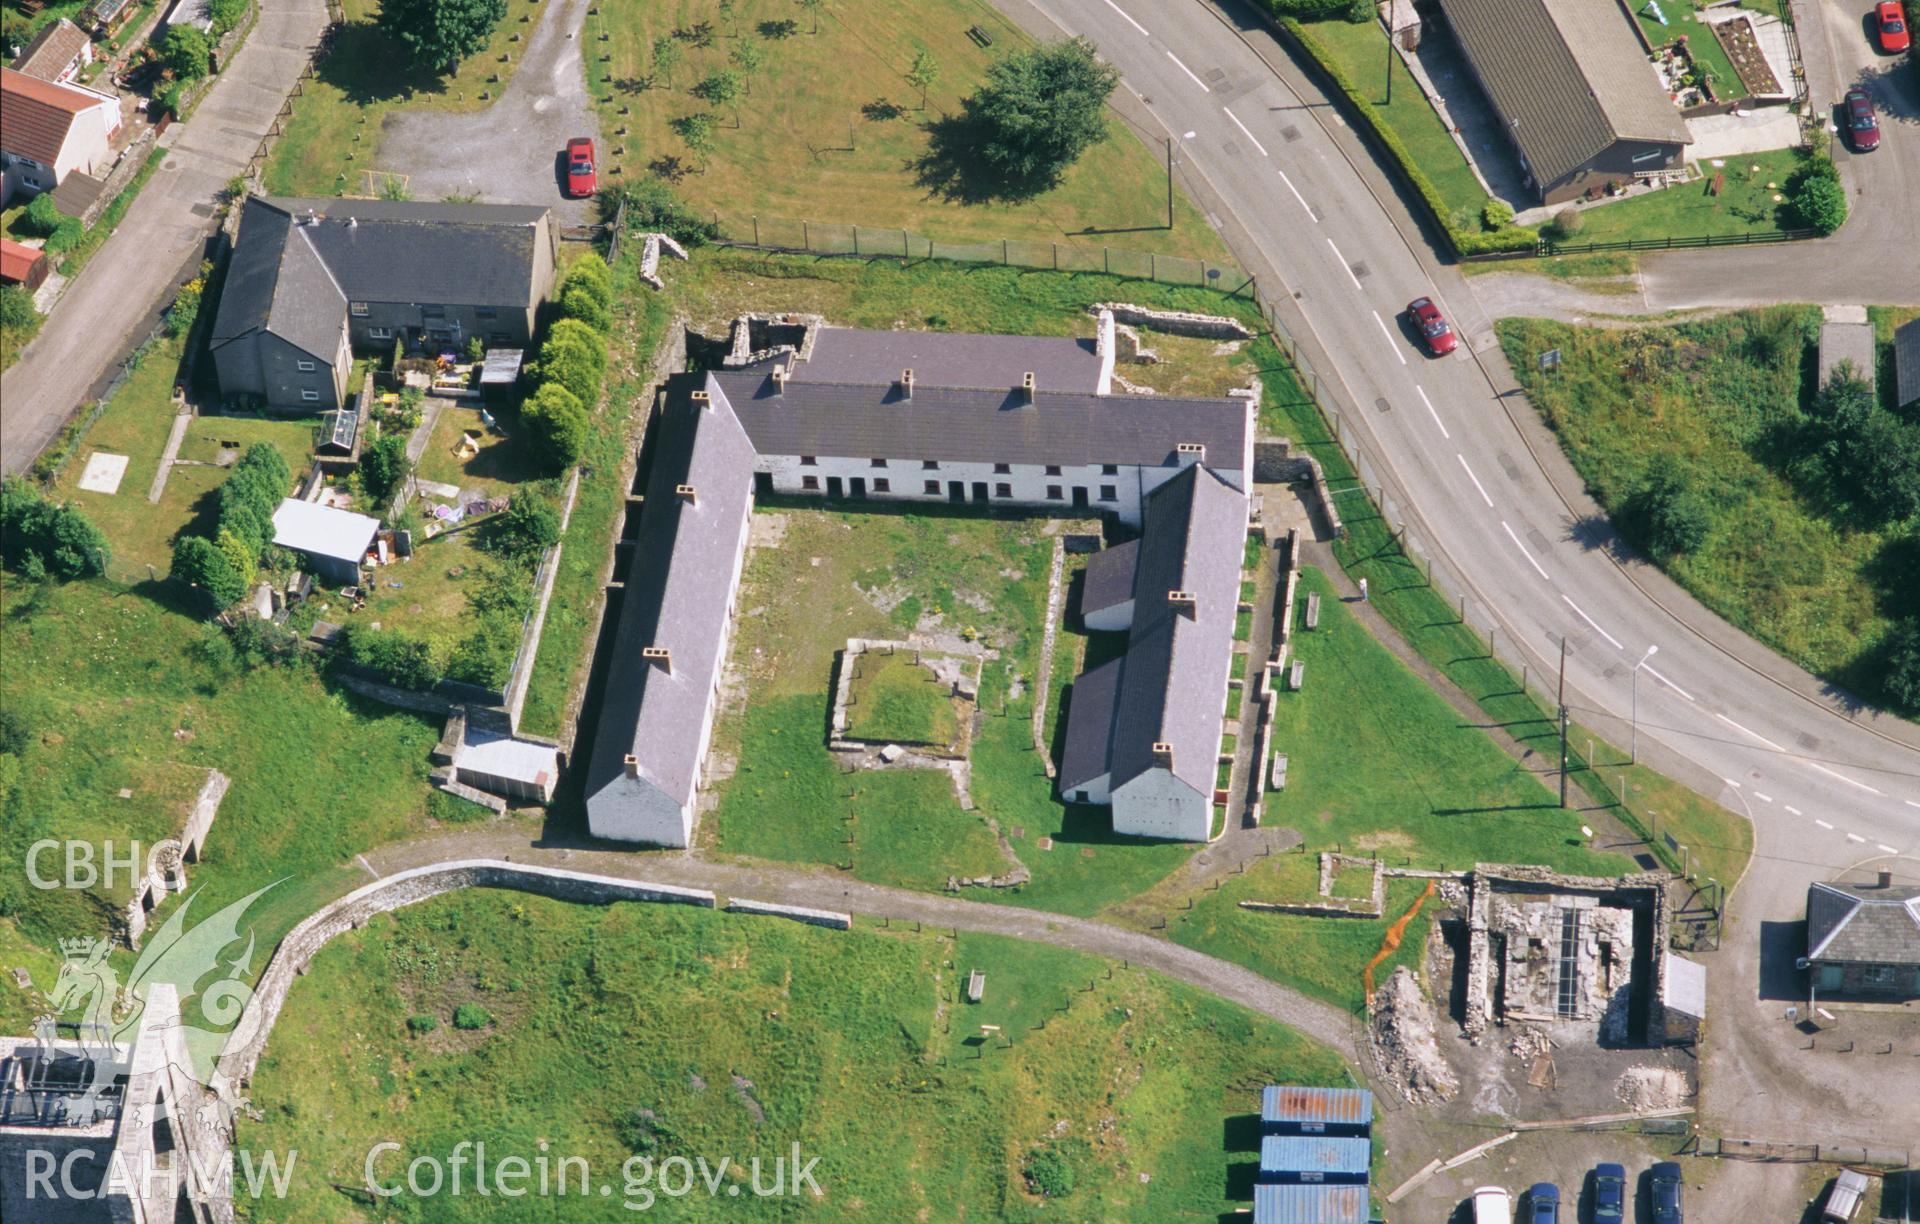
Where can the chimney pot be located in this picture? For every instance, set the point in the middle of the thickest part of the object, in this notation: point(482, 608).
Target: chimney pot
point(780, 380)
point(1026, 387)
point(1886, 878)
point(703, 399)
point(687, 494)
point(1163, 755)
point(658, 655)
point(906, 383)
point(1183, 601)
point(633, 765)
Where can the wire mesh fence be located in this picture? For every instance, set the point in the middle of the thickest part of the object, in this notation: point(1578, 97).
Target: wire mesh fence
point(879, 242)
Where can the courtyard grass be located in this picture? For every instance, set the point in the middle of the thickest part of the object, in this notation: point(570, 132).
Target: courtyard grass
point(502, 463)
point(1359, 49)
point(333, 138)
point(741, 1037)
point(1720, 399)
point(895, 698)
point(1747, 203)
point(829, 130)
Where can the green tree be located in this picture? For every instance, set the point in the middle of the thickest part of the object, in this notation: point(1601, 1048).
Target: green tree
point(1674, 512)
point(396, 656)
point(226, 14)
point(200, 563)
point(666, 56)
point(1816, 196)
point(720, 88)
point(697, 131)
point(557, 424)
point(1039, 110)
point(186, 51)
point(592, 271)
point(16, 308)
point(440, 33)
point(43, 215)
point(923, 74)
point(39, 537)
point(813, 8)
point(1868, 457)
point(529, 526)
point(582, 303)
point(652, 207)
point(749, 58)
point(384, 466)
point(1901, 655)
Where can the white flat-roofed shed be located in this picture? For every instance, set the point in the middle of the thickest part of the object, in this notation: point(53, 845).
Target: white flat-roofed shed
point(333, 541)
point(503, 765)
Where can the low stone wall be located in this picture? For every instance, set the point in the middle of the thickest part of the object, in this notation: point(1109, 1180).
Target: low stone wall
point(297, 950)
point(1175, 322)
point(799, 913)
point(167, 863)
point(1044, 681)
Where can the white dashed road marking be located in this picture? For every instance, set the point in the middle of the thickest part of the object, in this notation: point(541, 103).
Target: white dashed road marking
point(1763, 798)
point(1538, 568)
point(1855, 837)
point(1596, 624)
point(1886, 847)
point(1476, 481)
point(1793, 811)
point(1297, 195)
point(1196, 80)
point(1389, 335)
point(1670, 684)
point(1755, 734)
point(1436, 416)
point(1844, 778)
point(1243, 128)
point(1356, 280)
point(1823, 824)
point(1129, 20)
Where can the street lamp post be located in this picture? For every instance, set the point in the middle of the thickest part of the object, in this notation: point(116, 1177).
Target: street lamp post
point(1633, 686)
point(1393, 11)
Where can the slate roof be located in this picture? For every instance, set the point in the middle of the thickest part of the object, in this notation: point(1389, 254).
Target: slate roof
point(403, 251)
point(1864, 924)
point(57, 44)
point(678, 588)
point(35, 115)
point(1108, 581)
point(1570, 77)
point(1906, 364)
point(949, 359)
point(1177, 662)
point(1089, 725)
point(981, 426)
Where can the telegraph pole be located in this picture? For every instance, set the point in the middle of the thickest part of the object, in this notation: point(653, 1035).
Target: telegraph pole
point(1169, 182)
point(1393, 11)
point(1562, 700)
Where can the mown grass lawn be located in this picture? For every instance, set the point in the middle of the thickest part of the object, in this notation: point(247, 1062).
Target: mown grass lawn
point(1746, 204)
point(668, 1031)
point(1720, 398)
point(831, 132)
point(1360, 49)
point(895, 697)
point(334, 135)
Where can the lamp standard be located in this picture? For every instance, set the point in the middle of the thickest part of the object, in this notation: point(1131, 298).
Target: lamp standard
point(1633, 686)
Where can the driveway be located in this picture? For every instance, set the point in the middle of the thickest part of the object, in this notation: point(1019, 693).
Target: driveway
point(118, 296)
point(509, 152)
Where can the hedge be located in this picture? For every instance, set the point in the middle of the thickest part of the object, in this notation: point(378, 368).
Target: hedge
point(1464, 242)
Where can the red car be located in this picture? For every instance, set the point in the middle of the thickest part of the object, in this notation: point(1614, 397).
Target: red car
point(581, 179)
point(1440, 337)
point(1863, 126)
point(1894, 37)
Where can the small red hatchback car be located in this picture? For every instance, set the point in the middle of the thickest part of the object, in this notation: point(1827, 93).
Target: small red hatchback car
point(1863, 126)
point(581, 179)
point(1894, 35)
point(1434, 329)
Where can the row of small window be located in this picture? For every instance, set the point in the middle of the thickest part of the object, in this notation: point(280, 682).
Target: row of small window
point(359, 311)
point(999, 469)
point(931, 488)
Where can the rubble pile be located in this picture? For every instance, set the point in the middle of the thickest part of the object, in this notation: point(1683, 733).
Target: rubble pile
point(1648, 1088)
point(1403, 1041)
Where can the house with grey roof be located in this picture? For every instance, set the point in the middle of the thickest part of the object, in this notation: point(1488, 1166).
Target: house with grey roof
point(1906, 365)
point(312, 281)
point(1864, 939)
point(830, 415)
point(1577, 93)
point(1143, 729)
point(676, 613)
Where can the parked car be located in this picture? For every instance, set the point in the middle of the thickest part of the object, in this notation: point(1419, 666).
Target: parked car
point(1543, 1204)
point(1609, 1194)
point(1863, 126)
point(1492, 1205)
point(581, 177)
point(1894, 36)
point(1439, 335)
point(1666, 1193)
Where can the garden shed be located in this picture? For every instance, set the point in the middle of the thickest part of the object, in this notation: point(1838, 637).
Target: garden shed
point(331, 541)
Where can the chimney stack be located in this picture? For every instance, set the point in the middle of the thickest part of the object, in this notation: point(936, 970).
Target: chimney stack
point(1163, 756)
point(659, 656)
point(1191, 452)
point(703, 400)
point(780, 380)
point(1886, 878)
point(1184, 601)
point(686, 494)
point(633, 766)
point(1026, 387)
point(906, 384)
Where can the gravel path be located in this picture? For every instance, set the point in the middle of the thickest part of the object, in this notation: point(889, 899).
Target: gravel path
point(508, 153)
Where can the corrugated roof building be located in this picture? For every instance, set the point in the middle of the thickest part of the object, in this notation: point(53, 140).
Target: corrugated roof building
point(1290, 1109)
point(1310, 1205)
point(1288, 1159)
point(1573, 84)
point(1906, 365)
